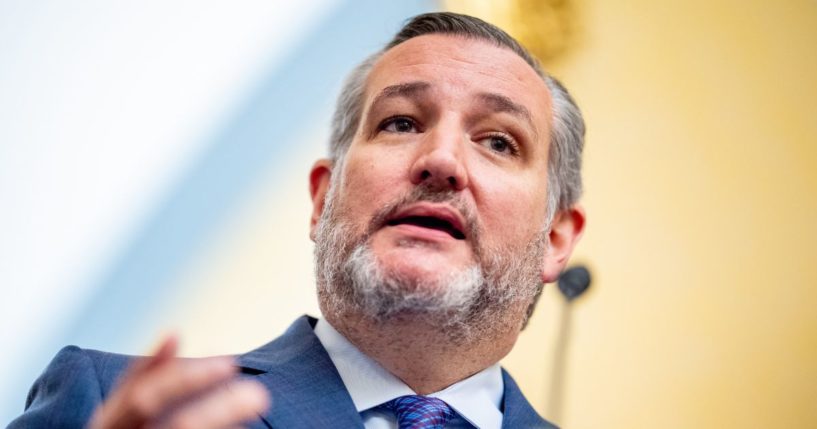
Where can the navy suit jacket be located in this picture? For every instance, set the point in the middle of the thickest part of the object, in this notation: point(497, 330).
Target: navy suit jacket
point(305, 387)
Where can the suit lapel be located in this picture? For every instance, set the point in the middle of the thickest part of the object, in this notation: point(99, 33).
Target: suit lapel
point(516, 410)
point(307, 390)
point(305, 387)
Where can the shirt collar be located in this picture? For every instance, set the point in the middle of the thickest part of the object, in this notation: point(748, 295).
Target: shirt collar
point(477, 398)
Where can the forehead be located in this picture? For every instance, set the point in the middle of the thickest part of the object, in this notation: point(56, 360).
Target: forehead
point(459, 67)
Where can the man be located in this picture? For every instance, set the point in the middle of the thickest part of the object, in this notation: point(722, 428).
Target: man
point(449, 199)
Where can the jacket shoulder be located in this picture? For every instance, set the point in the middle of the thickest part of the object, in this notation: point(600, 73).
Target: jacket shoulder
point(70, 388)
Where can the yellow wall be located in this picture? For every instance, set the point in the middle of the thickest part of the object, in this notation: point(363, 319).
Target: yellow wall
point(701, 178)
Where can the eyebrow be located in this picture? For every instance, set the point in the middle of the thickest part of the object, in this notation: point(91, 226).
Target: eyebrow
point(502, 104)
point(497, 103)
point(405, 90)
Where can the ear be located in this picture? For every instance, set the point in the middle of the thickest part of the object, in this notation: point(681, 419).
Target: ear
point(319, 178)
point(565, 232)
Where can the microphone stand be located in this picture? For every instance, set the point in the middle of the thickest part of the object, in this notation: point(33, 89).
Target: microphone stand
point(557, 375)
point(572, 283)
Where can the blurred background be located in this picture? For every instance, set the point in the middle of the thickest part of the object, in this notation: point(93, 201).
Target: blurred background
point(153, 178)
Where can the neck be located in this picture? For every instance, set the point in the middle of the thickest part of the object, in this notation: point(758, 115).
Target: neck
point(421, 354)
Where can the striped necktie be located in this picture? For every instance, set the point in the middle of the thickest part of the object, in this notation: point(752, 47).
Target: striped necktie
point(420, 412)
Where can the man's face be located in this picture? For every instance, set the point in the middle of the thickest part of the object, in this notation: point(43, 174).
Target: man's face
point(448, 167)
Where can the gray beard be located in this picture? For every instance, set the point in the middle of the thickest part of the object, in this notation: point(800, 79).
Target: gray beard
point(465, 305)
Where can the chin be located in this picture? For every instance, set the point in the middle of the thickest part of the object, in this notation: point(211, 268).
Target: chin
point(421, 268)
point(397, 281)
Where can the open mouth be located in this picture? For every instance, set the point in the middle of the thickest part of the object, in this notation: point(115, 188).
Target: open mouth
point(429, 222)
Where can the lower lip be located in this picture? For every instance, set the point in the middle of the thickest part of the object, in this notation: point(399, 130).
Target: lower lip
point(422, 233)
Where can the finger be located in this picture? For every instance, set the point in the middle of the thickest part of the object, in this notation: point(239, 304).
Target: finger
point(165, 386)
point(227, 406)
point(111, 413)
point(165, 351)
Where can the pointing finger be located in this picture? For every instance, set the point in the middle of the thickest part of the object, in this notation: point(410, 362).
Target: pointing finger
point(227, 406)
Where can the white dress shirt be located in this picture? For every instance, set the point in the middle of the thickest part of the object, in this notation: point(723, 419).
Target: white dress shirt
point(477, 399)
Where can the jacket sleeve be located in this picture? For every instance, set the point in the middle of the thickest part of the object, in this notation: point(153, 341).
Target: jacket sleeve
point(65, 395)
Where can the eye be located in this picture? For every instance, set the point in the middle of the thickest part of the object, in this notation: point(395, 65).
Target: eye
point(500, 143)
point(399, 124)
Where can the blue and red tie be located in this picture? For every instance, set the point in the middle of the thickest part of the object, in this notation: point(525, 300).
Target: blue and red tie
point(420, 412)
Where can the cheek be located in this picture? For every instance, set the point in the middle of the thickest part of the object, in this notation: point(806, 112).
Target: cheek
point(513, 210)
point(370, 182)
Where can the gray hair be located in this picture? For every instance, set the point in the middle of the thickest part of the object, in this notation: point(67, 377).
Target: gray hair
point(567, 127)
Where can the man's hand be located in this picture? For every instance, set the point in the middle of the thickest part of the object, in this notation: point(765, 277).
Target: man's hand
point(164, 392)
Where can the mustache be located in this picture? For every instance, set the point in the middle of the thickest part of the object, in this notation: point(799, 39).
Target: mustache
point(425, 193)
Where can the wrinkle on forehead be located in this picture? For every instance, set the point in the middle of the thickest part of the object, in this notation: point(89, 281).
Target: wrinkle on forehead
point(457, 64)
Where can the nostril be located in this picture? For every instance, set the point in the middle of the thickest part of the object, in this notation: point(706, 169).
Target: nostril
point(425, 175)
point(452, 180)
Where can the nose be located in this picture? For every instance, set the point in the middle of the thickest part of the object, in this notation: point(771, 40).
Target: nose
point(440, 163)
